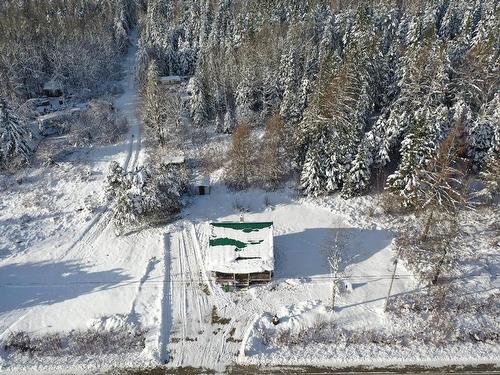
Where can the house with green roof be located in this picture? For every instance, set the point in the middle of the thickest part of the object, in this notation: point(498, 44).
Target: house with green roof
point(241, 252)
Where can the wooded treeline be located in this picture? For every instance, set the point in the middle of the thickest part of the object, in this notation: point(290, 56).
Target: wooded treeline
point(365, 88)
point(75, 46)
point(76, 42)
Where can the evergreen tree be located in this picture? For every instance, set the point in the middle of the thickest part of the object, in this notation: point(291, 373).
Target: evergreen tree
point(15, 138)
point(199, 101)
point(116, 180)
point(145, 196)
point(154, 108)
point(483, 134)
point(358, 178)
point(416, 150)
point(312, 176)
point(229, 122)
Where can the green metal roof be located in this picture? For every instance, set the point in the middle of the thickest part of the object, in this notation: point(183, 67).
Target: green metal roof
point(227, 242)
point(245, 227)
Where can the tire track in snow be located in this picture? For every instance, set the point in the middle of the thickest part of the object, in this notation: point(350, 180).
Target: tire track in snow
point(200, 343)
point(181, 304)
point(166, 302)
point(128, 108)
point(190, 275)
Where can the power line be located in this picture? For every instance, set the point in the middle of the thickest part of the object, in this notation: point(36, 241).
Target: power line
point(308, 280)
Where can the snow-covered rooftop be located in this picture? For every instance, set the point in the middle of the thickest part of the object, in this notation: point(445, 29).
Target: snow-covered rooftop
point(178, 159)
point(170, 79)
point(238, 247)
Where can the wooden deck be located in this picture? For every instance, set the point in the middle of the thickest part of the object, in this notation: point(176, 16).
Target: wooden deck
point(243, 279)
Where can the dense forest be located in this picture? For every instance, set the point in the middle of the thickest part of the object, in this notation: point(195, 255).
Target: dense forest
point(370, 92)
point(356, 96)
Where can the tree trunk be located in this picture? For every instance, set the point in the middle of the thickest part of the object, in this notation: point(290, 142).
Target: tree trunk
point(435, 278)
point(427, 227)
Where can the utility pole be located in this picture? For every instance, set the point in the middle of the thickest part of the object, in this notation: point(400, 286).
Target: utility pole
point(334, 261)
point(392, 282)
point(334, 281)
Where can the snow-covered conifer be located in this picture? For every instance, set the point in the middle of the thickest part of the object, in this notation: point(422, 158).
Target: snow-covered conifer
point(116, 180)
point(15, 137)
point(199, 101)
point(483, 135)
point(229, 122)
point(312, 176)
point(358, 178)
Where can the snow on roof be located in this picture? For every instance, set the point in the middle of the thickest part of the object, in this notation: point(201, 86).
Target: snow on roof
point(179, 159)
point(170, 79)
point(58, 115)
point(201, 180)
point(236, 247)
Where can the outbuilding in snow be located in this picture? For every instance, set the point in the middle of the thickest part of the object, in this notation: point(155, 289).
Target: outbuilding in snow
point(175, 160)
point(241, 253)
point(201, 185)
point(170, 80)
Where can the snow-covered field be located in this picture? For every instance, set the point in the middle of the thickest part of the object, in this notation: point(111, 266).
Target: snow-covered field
point(63, 270)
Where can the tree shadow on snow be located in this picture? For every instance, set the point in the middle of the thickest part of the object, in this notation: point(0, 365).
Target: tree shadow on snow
point(24, 285)
point(305, 254)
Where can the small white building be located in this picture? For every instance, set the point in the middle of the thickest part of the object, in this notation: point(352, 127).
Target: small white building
point(241, 252)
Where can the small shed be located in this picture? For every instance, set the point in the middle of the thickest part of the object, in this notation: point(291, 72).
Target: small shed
point(241, 253)
point(201, 185)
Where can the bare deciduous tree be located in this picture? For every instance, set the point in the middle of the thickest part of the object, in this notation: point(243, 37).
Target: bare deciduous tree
point(241, 157)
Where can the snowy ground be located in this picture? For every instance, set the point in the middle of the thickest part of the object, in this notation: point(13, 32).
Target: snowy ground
point(62, 268)
point(300, 293)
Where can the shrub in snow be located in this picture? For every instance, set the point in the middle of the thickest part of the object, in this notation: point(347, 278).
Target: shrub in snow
point(15, 138)
point(47, 154)
point(447, 313)
point(99, 124)
point(211, 159)
point(433, 325)
point(78, 342)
